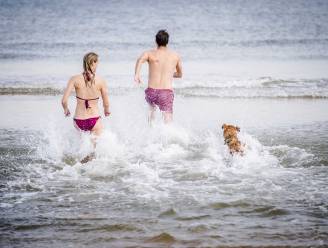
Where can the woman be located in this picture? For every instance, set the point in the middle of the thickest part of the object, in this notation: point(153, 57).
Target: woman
point(88, 87)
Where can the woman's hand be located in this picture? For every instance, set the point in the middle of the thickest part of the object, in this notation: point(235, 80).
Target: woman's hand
point(107, 112)
point(67, 112)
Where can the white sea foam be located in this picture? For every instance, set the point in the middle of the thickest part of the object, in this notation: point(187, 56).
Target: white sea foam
point(158, 163)
point(160, 143)
point(292, 156)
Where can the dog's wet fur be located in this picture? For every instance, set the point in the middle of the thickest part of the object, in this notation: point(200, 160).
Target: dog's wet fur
point(231, 139)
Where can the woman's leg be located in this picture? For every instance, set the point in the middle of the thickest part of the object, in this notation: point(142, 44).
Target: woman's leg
point(97, 129)
point(95, 133)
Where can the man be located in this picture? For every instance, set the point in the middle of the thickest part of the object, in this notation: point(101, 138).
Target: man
point(164, 65)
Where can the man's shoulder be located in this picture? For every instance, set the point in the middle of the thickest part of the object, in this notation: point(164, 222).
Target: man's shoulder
point(174, 53)
point(151, 51)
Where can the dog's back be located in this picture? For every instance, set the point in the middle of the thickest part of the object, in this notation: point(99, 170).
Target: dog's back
point(231, 139)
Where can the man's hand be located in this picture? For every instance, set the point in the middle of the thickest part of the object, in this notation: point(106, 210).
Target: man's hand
point(137, 79)
point(143, 58)
point(67, 113)
point(177, 75)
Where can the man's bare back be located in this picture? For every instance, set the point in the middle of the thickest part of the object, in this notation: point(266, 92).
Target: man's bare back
point(163, 64)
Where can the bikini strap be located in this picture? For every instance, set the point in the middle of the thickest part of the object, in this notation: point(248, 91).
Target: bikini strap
point(86, 101)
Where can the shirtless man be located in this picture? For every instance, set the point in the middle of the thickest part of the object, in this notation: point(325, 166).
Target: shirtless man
point(164, 65)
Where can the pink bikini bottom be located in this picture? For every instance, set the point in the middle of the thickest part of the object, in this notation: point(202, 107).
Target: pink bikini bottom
point(86, 124)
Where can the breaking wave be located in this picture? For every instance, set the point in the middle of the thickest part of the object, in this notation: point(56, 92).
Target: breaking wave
point(252, 88)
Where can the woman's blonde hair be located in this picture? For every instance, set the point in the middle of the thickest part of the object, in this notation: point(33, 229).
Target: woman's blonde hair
point(88, 74)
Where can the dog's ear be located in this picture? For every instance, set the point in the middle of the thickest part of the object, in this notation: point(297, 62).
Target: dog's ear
point(223, 126)
point(238, 128)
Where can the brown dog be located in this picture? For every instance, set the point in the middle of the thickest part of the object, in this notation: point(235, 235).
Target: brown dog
point(231, 139)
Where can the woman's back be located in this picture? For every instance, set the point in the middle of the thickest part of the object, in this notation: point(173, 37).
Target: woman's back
point(87, 96)
point(89, 88)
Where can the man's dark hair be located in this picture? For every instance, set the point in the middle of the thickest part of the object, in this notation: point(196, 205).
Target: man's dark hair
point(162, 38)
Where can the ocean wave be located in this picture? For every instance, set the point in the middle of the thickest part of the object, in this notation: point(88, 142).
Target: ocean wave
point(283, 42)
point(139, 44)
point(257, 42)
point(30, 91)
point(264, 87)
point(184, 92)
point(248, 93)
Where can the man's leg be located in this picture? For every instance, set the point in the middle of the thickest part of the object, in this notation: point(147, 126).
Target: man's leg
point(166, 98)
point(150, 97)
point(168, 117)
point(151, 116)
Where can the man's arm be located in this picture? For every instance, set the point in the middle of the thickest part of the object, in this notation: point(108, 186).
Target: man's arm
point(67, 93)
point(142, 59)
point(178, 73)
point(105, 99)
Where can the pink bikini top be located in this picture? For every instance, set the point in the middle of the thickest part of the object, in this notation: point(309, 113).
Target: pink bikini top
point(86, 101)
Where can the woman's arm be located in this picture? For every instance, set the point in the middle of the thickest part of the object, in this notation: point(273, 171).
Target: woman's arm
point(67, 93)
point(104, 96)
